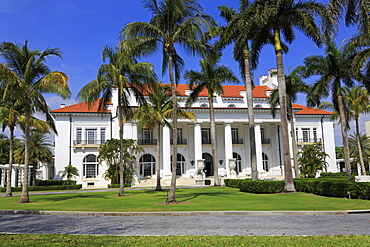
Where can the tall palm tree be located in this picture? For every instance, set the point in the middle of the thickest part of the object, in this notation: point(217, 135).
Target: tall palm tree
point(124, 73)
point(155, 114)
point(334, 71)
point(39, 152)
point(357, 101)
point(210, 78)
point(279, 18)
point(365, 149)
point(294, 86)
point(34, 78)
point(173, 23)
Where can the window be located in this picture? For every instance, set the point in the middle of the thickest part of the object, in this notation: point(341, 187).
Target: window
point(91, 136)
point(231, 105)
point(203, 105)
point(78, 136)
point(147, 136)
point(265, 162)
point(90, 166)
point(306, 134)
point(235, 136)
point(180, 167)
point(258, 106)
point(314, 134)
point(262, 130)
point(206, 135)
point(179, 135)
point(147, 165)
point(102, 135)
point(238, 162)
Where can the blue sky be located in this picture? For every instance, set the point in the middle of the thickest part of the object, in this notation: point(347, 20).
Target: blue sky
point(81, 29)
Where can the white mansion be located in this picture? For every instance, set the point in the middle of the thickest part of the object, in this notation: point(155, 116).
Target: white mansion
point(82, 130)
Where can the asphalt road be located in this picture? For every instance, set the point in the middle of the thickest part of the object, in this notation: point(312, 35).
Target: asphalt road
point(351, 224)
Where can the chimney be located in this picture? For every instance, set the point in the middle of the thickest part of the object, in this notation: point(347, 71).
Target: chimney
point(62, 105)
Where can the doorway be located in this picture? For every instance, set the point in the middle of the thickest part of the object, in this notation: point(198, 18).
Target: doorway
point(208, 164)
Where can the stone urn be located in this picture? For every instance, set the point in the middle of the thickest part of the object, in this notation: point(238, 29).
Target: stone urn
point(200, 164)
point(232, 166)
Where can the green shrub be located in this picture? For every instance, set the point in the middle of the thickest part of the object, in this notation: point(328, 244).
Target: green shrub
point(42, 188)
point(261, 187)
point(55, 182)
point(117, 185)
point(233, 183)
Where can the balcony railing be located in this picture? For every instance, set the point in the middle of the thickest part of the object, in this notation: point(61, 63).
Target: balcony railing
point(265, 141)
point(237, 141)
point(88, 142)
point(147, 141)
point(180, 141)
point(308, 140)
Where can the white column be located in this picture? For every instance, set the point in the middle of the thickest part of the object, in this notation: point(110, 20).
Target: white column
point(166, 152)
point(228, 147)
point(197, 141)
point(258, 147)
point(134, 131)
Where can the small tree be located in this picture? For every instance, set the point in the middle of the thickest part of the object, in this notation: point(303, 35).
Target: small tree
point(109, 153)
point(312, 160)
point(69, 171)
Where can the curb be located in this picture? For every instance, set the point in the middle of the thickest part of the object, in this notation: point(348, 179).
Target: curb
point(188, 213)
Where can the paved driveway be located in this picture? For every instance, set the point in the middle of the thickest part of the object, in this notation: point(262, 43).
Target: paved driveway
point(356, 224)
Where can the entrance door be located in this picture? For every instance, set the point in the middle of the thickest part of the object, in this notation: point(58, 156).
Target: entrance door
point(208, 164)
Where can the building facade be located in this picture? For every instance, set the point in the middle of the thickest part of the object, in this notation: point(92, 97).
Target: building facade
point(82, 129)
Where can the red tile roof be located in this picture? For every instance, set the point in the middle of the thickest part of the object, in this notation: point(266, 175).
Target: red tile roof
point(81, 108)
point(309, 110)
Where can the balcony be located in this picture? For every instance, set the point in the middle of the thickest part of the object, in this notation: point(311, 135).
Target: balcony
point(77, 143)
point(237, 141)
point(308, 141)
point(180, 141)
point(147, 141)
point(265, 141)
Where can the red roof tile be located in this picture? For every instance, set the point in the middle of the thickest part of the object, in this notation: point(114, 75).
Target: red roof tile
point(309, 110)
point(81, 108)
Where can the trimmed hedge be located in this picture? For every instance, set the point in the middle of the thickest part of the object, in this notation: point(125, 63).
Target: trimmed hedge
point(322, 187)
point(55, 182)
point(117, 185)
point(42, 188)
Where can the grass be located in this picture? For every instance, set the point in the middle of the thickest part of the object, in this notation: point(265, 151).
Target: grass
point(200, 199)
point(80, 240)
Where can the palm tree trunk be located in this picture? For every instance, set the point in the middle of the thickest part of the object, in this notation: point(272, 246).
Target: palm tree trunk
point(158, 165)
point(11, 149)
point(25, 195)
point(252, 135)
point(172, 194)
point(294, 143)
point(289, 184)
point(34, 166)
point(362, 163)
point(343, 124)
point(213, 141)
point(121, 191)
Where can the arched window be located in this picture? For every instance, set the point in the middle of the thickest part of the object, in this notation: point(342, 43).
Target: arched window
point(258, 106)
point(238, 162)
point(203, 105)
point(147, 165)
point(180, 167)
point(265, 162)
point(231, 105)
point(90, 166)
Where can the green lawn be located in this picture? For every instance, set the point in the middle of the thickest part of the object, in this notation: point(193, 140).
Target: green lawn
point(77, 240)
point(200, 199)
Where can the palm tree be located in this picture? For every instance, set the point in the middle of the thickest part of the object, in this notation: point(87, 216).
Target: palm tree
point(240, 31)
point(69, 171)
point(210, 78)
point(294, 86)
point(354, 150)
point(280, 17)
point(155, 114)
point(173, 22)
point(39, 151)
point(33, 78)
point(124, 73)
point(334, 71)
point(109, 153)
